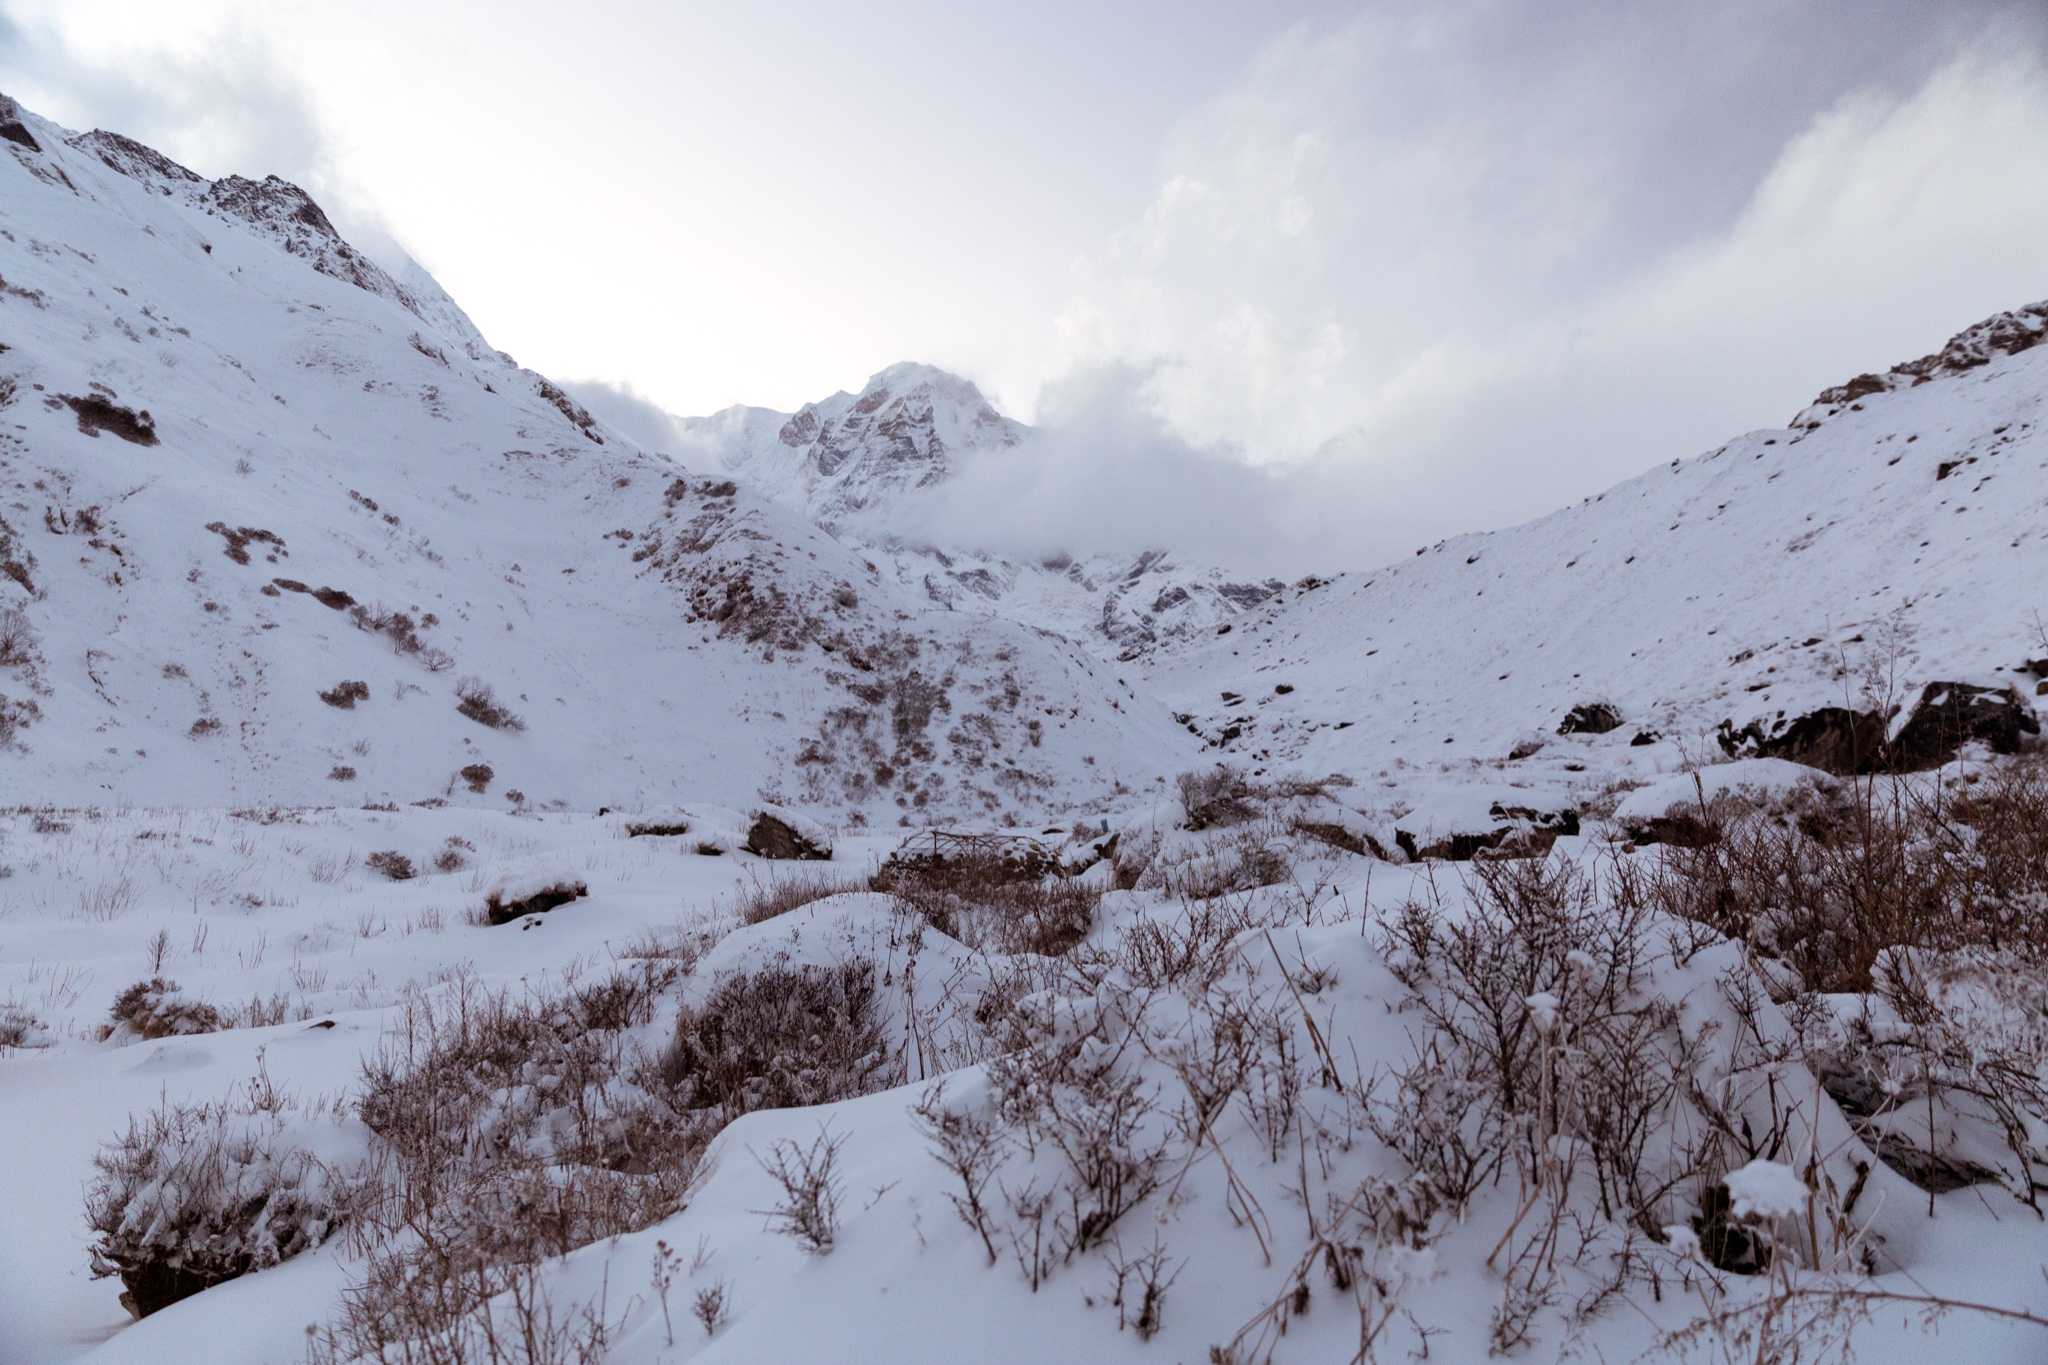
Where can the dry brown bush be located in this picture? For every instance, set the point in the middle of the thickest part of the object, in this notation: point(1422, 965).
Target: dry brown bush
point(779, 895)
point(510, 1131)
point(475, 699)
point(1243, 857)
point(779, 1038)
point(1828, 879)
point(17, 638)
point(391, 863)
point(346, 694)
point(986, 903)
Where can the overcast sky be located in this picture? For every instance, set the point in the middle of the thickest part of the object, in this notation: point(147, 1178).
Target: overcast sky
point(1294, 281)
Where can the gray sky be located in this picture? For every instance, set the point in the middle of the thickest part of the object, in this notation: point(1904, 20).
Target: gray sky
point(1304, 282)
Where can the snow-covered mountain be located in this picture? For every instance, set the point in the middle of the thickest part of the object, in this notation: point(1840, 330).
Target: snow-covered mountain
point(906, 429)
point(849, 460)
point(285, 543)
point(1892, 536)
point(276, 519)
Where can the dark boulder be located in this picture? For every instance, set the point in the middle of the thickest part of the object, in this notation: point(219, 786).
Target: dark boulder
point(506, 903)
point(1833, 739)
point(1590, 718)
point(771, 837)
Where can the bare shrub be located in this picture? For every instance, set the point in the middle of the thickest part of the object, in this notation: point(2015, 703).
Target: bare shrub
point(341, 772)
point(971, 1144)
point(392, 864)
point(778, 1039)
point(1144, 1277)
point(666, 827)
point(809, 1209)
point(1056, 1087)
point(454, 854)
point(1194, 946)
point(1827, 879)
point(17, 638)
point(1242, 858)
point(477, 776)
point(397, 626)
point(991, 903)
point(509, 1132)
point(475, 700)
point(191, 1196)
point(709, 1307)
point(157, 1008)
point(779, 895)
point(345, 694)
point(1220, 796)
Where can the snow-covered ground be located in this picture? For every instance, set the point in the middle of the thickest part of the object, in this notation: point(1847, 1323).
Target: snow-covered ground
point(302, 583)
point(280, 916)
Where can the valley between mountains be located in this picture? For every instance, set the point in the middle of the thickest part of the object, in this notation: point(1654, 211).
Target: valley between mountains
point(474, 887)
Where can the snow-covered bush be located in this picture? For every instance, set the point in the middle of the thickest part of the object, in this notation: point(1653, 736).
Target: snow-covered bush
point(1827, 878)
point(191, 1196)
point(20, 1028)
point(508, 1131)
point(778, 1038)
point(1244, 856)
point(1220, 796)
point(157, 1008)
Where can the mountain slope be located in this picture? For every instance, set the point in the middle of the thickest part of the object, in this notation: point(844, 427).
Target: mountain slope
point(244, 466)
point(1892, 537)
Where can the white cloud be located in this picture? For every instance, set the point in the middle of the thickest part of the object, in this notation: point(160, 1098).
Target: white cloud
point(1445, 279)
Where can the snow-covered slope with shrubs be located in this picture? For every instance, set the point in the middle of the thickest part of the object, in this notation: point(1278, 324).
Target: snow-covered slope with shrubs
point(1893, 536)
point(277, 527)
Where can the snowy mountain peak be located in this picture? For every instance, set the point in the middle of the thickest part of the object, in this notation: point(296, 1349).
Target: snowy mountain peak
point(850, 453)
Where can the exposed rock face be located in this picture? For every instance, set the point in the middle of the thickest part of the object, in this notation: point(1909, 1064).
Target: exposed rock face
point(1999, 335)
point(275, 207)
point(1834, 739)
point(1523, 833)
point(1952, 714)
point(905, 429)
point(1838, 740)
point(845, 460)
